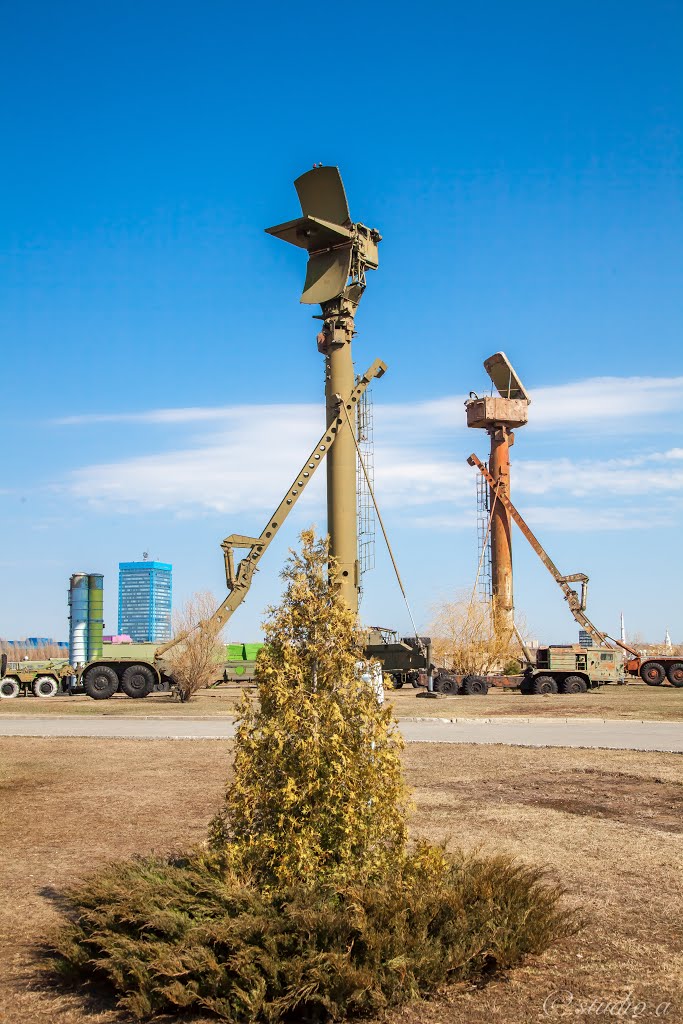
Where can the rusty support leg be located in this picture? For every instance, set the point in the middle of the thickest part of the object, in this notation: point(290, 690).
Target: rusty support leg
point(501, 539)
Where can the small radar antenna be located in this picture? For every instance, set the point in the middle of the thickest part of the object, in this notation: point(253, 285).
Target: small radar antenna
point(340, 252)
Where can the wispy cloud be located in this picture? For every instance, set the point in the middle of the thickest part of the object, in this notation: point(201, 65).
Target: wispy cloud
point(592, 401)
point(595, 401)
point(657, 473)
point(192, 414)
point(249, 459)
point(245, 466)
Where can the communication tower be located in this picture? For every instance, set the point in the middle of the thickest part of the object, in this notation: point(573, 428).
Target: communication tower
point(339, 254)
point(499, 415)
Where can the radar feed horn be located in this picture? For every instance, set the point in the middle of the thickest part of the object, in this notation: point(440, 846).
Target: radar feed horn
point(339, 251)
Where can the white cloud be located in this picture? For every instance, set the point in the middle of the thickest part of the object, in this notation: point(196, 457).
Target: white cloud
point(596, 401)
point(593, 401)
point(656, 473)
point(192, 414)
point(246, 466)
point(249, 460)
point(575, 519)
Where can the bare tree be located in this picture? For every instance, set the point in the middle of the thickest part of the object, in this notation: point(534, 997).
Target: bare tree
point(465, 639)
point(195, 662)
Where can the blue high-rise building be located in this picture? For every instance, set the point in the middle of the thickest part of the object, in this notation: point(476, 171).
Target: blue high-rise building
point(145, 591)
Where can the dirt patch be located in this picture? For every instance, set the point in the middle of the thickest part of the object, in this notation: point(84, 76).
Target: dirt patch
point(586, 792)
point(604, 822)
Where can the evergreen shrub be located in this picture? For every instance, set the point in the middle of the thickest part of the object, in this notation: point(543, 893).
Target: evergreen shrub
point(306, 902)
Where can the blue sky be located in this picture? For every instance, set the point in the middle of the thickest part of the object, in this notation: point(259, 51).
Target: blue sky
point(161, 382)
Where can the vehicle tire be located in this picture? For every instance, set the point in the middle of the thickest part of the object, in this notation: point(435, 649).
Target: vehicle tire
point(44, 686)
point(446, 684)
point(9, 688)
point(573, 684)
point(100, 682)
point(138, 681)
point(474, 686)
point(652, 673)
point(525, 686)
point(543, 684)
point(397, 683)
point(674, 673)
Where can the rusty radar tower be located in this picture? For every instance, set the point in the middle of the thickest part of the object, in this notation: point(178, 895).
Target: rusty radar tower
point(499, 415)
point(339, 253)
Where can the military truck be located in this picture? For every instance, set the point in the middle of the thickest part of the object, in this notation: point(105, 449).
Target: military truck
point(405, 660)
point(571, 668)
point(41, 678)
point(240, 666)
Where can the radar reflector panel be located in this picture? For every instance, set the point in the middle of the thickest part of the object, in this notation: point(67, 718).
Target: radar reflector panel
point(504, 378)
point(339, 251)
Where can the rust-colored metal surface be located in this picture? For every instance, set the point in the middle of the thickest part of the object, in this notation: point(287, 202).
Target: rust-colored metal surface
point(501, 529)
point(576, 605)
point(498, 415)
point(490, 411)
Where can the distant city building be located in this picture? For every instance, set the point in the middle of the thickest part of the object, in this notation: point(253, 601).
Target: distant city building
point(145, 592)
point(38, 641)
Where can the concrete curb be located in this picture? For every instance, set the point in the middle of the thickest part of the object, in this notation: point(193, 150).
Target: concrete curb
point(508, 719)
point(492, 720)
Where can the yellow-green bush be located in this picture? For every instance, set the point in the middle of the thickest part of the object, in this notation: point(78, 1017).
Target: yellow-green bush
point(318, 780)
point(306, 902)
point(190, 935)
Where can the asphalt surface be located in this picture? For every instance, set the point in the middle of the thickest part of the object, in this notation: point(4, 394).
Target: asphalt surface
point(526, 732)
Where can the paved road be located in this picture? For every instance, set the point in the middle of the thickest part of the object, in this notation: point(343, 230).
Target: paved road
point(528, 732)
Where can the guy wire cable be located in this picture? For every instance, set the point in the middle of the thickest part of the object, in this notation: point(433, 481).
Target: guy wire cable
point(381, 521)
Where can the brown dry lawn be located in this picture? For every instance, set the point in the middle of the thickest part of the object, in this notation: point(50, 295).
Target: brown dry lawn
point(608, 824)
point(637, 701)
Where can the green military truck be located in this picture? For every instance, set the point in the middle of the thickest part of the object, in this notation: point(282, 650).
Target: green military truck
point(134, 670)
point(404, 660)
point(572, 669)
point(41, 678)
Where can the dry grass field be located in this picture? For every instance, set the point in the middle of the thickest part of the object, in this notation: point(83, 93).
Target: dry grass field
point(629, 702)
point(608, 824)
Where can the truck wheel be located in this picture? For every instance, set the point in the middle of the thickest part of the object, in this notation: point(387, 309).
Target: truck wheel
point(44, 686)
point(138, 681)
point(397, 683)
point(573, 684)
point(543, 684)
point(675, 673)
point(445, 684)
point(474, 686)
point(9, 688)
point(652, 673)
point(100, 682)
